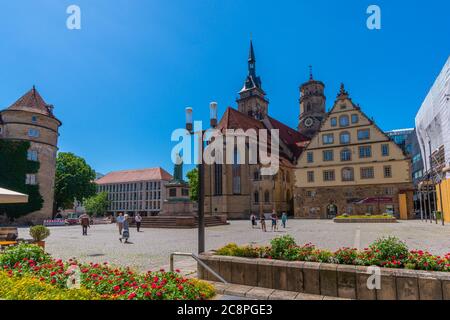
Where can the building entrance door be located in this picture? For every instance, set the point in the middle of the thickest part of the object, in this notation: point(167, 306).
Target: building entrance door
point(332, 211)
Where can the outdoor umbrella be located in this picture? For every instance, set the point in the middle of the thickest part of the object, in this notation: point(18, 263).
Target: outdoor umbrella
point(8, 196)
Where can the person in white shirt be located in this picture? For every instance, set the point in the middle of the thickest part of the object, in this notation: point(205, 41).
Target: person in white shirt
point(138, 220)
point(120, 220)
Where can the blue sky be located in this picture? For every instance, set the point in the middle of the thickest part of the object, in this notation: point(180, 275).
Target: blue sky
point(121, 83)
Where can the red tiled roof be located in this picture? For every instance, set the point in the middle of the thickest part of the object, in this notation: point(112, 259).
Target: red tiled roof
point(32, 102)
point(294, 140)
point(135, 176)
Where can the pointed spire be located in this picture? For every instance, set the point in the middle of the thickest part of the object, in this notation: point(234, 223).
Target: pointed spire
point(310, 73)
point(251, 54)
point(342, 92)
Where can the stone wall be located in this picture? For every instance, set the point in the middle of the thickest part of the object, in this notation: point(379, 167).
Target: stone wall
point(313, 202)
point(344, 281)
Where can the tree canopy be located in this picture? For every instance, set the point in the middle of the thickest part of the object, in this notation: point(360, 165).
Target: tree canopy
point(96, 205)
point(74, 180)
point(193, 184)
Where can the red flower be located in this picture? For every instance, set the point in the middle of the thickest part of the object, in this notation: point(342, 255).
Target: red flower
point(53, 281)
point(147, 294)
point(180, 287)
point(177, 271)
point(159, 294)
point(131, 296)
point(116, 288)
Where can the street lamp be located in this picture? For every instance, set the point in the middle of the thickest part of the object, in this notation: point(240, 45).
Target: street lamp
point(200, 166)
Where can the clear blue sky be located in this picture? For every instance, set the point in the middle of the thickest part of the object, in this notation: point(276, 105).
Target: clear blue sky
point(121, 83)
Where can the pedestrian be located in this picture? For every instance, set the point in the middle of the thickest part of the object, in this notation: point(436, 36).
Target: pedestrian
point(138, 220)
point(284, 219)
point(263, 223)
point(253, 220)
point(274, 221)
point(120, 220)
point(85, 223)
point(126, 229)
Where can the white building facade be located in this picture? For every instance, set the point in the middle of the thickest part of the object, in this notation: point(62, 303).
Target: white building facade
point(135, 191)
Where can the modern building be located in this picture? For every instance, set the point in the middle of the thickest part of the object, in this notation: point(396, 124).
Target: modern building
point(351, 166)
point(433, 131)
point(237, 190)
point(133, 191)
point(402, 137)
point(31, 119)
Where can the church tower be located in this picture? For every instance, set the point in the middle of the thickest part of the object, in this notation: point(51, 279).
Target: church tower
point(312, 106)
point(252, 101)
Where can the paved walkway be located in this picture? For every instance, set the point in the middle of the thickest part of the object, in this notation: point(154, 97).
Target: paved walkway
point(151, 248)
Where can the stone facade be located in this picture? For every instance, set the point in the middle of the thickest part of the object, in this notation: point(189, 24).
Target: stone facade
point(31, 119)
point(351, 166)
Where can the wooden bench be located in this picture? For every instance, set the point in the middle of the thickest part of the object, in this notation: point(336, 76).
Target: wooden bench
point(4, 244)
point(8, 233)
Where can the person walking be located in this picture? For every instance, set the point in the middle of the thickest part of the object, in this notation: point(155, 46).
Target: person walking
point(85, 223)
point(120, 220)
point(126, 229)
point(284, 219)
point(138, 220)
point(263, 223)
point(253, 220)
point(274, 221)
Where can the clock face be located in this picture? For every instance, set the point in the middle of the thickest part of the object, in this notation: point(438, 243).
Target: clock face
point(309, 122)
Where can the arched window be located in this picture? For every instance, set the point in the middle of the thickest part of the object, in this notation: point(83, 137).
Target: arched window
point(346, 155)
point(236, 173)
point(344, 137)
point(217, 179)
point(256, 175)
point(256, 196)
point(344, 121)
point(347, 174)
point(267, 196)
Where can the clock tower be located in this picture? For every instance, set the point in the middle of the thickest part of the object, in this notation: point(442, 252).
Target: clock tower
point(312, 106)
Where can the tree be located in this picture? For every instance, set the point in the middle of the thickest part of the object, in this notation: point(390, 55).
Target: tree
point(14, 166)
point(74, 180)
point(193, 184)
point(96, 205)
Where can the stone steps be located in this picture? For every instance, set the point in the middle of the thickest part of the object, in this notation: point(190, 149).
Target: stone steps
point(178, 222)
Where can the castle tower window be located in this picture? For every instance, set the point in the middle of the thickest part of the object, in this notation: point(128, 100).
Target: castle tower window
point(34, 119)
point(32, 155)
point(310, 157)
point(310, 176)
point(385, 150)
point(34, 133)
point(344, 121)
point(355, 118)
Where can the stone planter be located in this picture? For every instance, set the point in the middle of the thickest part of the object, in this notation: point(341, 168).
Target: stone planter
point(344, 281)
point(362, 220)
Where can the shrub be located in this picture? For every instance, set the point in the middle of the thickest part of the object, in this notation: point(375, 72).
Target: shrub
point(39, 232)
point(318, 255)
point(280, 244)
point(30, 288)
point(297, 253)
point(389, 250)
point(346, 255)
point(228, 250)
point(17, 254)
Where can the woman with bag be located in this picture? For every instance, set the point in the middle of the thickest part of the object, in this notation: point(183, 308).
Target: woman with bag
point(125, 230)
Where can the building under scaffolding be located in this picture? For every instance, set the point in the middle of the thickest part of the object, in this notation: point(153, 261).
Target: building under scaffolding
point(433, 133)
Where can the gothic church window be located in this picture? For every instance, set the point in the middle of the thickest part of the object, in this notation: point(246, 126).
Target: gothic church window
point(236, 173)
point(267, 197)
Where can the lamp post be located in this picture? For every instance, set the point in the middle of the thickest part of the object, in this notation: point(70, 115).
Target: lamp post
point(201, 172)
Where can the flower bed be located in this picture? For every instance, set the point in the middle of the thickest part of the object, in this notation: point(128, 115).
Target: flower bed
point(28, 265)
point(387, 252)
point(365, 219)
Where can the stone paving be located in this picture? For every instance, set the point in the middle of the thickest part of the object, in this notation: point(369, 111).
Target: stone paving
point(150, 249)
